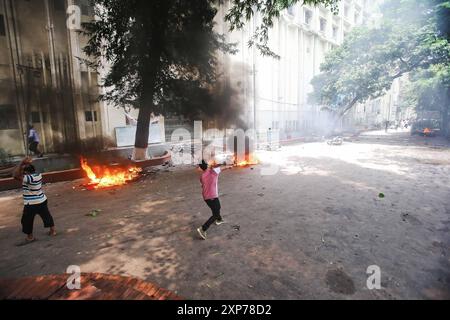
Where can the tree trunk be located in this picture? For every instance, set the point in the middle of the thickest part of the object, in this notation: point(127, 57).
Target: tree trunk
point(349, 107)
point(142, 134)
point(158, 11)
point(340, 115)
point(445, 116)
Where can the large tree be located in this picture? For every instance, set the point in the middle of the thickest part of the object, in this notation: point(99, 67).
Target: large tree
point(370, 59)
point(429, 90)
point(160, 56)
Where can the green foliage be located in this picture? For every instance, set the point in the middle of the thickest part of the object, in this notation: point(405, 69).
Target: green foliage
point(370, 59)
point(429, 89)
point(243, 10)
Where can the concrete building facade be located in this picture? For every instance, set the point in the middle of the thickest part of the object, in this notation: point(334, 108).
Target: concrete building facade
point(276, 90)
point(42, 80)
point(388, 108)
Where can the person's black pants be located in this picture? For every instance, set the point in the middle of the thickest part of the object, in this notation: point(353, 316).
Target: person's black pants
point(34, 147)
point(30, 211)
point(215, 208)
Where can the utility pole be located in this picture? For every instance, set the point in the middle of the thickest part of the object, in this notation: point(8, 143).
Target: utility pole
point(255, 95)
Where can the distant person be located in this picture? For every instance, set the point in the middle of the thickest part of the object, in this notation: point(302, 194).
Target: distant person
point(209, 181)
point(387, 126)
point(269, 138)
point(33, 141)
point(35, 201)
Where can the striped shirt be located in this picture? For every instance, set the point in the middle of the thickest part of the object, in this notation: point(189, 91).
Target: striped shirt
point(32, 189)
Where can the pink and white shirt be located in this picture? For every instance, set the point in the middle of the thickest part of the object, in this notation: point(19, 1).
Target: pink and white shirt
point(210, 181)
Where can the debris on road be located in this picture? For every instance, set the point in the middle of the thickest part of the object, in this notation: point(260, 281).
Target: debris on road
point(220, 275)
point(324, 243)
point(405, 216)
point(94, 213)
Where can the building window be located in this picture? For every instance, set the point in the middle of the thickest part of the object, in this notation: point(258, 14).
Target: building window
point(8, 117)
point(35, 118)
point(308, 16)
point(90, 116)
point(60, 5)
point(323, 25)
point(86, 7)
point(291, 10)
point(346, 11)
point(357, 16)
point(2, 26)
point(335, 32)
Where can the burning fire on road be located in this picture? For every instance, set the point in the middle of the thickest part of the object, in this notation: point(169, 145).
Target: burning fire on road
point(249, 161)
point(245, 156)
point(109, 176)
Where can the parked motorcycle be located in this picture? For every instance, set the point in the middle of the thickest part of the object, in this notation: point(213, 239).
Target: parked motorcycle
point(336, 141)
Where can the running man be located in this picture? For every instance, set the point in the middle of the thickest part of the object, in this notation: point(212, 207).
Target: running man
point(209, 181)
point(35, 201)
point(33, 141)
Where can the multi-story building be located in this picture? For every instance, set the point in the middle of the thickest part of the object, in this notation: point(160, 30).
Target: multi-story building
point(44, 82)
point(275, 91)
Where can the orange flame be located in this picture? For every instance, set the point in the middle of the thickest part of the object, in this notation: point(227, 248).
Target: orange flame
point(103, 177)
point(252, 161)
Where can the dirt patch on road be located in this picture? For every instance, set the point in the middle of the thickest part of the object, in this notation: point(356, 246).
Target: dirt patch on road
point(340, 282)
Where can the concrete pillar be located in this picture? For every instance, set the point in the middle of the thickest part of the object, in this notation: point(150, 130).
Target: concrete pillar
point(75, 68)
point(15, 59)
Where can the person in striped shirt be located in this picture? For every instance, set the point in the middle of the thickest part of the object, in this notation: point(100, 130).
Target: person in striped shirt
point(35, 200)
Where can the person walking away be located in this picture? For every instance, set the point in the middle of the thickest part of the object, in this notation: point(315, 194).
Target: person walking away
point(35, 201)
point(33, 141)
point(209, 181)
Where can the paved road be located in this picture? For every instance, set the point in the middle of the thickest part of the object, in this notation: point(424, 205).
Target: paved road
point(308, 232)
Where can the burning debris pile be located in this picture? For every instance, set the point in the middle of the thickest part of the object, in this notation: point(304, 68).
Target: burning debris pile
point(109, 176)
point(245, 163)
point(244, 153)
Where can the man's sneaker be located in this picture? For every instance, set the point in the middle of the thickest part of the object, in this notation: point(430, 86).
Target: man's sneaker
point(219, 222)
point(201, 233)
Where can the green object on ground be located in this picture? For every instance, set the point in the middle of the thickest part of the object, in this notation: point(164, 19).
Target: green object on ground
point(381, 195)
point(94, 213)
